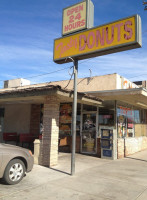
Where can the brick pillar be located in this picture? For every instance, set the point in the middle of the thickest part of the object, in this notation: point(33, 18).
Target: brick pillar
point(49, 150)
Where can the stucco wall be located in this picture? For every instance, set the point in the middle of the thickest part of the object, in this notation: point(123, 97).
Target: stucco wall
point(17, 118)
point(96, 83)
point(99, 83)
point(132, 145)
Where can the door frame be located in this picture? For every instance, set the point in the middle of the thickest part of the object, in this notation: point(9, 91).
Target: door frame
point(97, 128)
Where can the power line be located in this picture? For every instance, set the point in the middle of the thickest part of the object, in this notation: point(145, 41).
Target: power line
point(71, 75)
point(137, 76)
point(39, 75)
point(46, 73)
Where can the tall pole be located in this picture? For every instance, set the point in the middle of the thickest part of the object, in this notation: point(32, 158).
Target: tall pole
point(74, 116)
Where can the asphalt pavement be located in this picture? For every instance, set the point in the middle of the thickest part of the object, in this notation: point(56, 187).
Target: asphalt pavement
point(95, 179)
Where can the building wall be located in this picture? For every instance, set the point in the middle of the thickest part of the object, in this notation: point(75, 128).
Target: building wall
point(125, 83)
point(99, 83)
point(17, 118)
point(132, 145)
point(96, 83)
point(141, 84)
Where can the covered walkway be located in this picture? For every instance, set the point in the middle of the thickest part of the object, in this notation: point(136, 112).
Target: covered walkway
point(95, 179)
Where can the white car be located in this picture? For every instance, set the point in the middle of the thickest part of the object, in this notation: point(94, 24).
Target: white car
point(14, 163)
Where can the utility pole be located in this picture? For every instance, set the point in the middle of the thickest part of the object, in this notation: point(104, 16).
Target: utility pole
point(74, 111)
point(74, 116)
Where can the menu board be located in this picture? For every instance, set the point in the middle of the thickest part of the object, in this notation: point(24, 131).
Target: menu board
point(65, 118)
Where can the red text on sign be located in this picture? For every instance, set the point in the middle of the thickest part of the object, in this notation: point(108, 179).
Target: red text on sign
point(75, 10)
point(100, 37)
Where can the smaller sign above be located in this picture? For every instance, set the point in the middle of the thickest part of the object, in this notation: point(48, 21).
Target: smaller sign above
point(75, 17)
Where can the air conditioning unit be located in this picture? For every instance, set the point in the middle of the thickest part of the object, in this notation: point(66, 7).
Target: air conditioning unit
point(16, 83)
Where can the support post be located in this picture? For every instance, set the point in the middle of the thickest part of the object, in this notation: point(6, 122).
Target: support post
point(74, 115)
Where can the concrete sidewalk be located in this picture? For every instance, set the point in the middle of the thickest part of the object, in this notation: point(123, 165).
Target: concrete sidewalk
point(95, 179)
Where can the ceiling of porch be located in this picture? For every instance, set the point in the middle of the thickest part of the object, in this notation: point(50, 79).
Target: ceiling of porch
point(133, 96)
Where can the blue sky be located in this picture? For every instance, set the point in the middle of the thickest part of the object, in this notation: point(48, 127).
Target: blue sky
point(28, 29)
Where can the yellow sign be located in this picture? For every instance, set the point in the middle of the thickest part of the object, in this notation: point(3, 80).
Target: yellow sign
point(110, 38)
point(74, 18)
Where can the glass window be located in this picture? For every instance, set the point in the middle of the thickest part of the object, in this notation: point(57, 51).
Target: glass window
point(136, 116)
point(89, 133)
point(143, 116)
point(2, 112)
point(78, 119)
point(65, 119)
point(65, 122)
point(106, 113)
point(125, 119)
point(89, 108)
point(141, 124)
point(132, 121)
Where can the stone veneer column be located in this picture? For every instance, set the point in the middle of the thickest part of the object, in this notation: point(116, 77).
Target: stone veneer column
point(49, 146)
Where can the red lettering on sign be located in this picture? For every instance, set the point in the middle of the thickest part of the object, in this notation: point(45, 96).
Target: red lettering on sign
point(71, 19)
point(100, 37)
point(78, 17)
point(63, 48)
point(128, 30)
point(124, 110)
point(105, 36)
point(73, 26)
point(82, 37)
point(91, 35)
point(109, 41)
point(118, 26)
point(75, 10)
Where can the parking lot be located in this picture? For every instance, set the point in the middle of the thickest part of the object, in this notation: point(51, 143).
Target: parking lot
point(95, 179)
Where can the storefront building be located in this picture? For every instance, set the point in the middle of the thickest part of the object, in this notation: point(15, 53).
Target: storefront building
point(124, 110)
point(111, 117)
point(32, 112)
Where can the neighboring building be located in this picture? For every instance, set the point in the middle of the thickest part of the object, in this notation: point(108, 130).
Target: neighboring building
point(106, 104)
point(142, 84)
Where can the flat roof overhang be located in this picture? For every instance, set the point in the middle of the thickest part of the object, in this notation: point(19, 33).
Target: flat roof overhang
point(133, 96)
point(38, 95)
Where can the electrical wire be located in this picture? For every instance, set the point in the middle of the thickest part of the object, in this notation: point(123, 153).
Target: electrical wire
point(70, 78)
point(46, 73)
point(137, 76)
point(39, 75)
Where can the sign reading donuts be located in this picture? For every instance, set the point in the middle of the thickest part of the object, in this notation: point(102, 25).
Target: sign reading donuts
point(116, 36)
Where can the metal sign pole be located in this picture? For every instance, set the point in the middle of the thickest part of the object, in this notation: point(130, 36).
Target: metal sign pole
point(74, 116)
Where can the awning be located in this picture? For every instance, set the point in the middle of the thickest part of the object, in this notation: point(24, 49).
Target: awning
point(38, 94)
point(133, 96)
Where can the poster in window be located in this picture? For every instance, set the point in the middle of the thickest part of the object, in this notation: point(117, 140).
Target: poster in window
point(65, 118)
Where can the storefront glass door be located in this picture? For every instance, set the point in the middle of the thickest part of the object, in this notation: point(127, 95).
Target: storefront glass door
point(88, 136)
